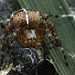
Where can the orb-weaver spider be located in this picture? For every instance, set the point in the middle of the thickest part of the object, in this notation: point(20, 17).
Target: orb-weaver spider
point(28, 28)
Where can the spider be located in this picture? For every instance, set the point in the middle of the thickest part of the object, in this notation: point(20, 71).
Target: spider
point(27, 27)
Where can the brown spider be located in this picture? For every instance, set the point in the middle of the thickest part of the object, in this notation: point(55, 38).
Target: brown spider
point(29, 29)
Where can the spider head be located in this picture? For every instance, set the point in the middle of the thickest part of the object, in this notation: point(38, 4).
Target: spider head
point(25, 18)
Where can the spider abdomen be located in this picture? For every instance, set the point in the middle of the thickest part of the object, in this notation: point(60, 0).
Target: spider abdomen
point(25, 18)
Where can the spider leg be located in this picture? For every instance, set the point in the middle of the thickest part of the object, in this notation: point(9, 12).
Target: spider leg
point(57, 40)
point(51, 43)
point(6, 29)
point(43, 27)
point(49, 14)
point(2, 25)
point(4, 42)
point(40, 52)
point(45, 17)
point(3, 48)
point(12, 50)
point(4, 45)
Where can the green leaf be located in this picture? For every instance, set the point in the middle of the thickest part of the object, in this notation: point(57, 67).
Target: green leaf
point(65, 28)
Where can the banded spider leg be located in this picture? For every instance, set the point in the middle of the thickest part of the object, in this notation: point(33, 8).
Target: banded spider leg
point(51, 31)
point(5, 43)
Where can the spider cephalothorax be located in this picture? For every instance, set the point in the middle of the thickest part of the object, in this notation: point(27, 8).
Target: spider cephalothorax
point(28, 28)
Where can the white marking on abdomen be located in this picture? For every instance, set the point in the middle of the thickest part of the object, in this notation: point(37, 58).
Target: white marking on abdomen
point(26, 15)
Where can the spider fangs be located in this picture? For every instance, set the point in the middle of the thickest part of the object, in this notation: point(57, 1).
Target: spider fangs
point(28, 28)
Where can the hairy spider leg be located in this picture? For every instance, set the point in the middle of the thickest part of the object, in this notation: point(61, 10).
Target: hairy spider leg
point(5, 44)
point(48, 32)
point(49, 14)
point(44, 25)
point(42, 32)
point(57, 40)
point(3, 48)
point(54, 33)
point(45, 17)
point(2, 25)
point(12, 50)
